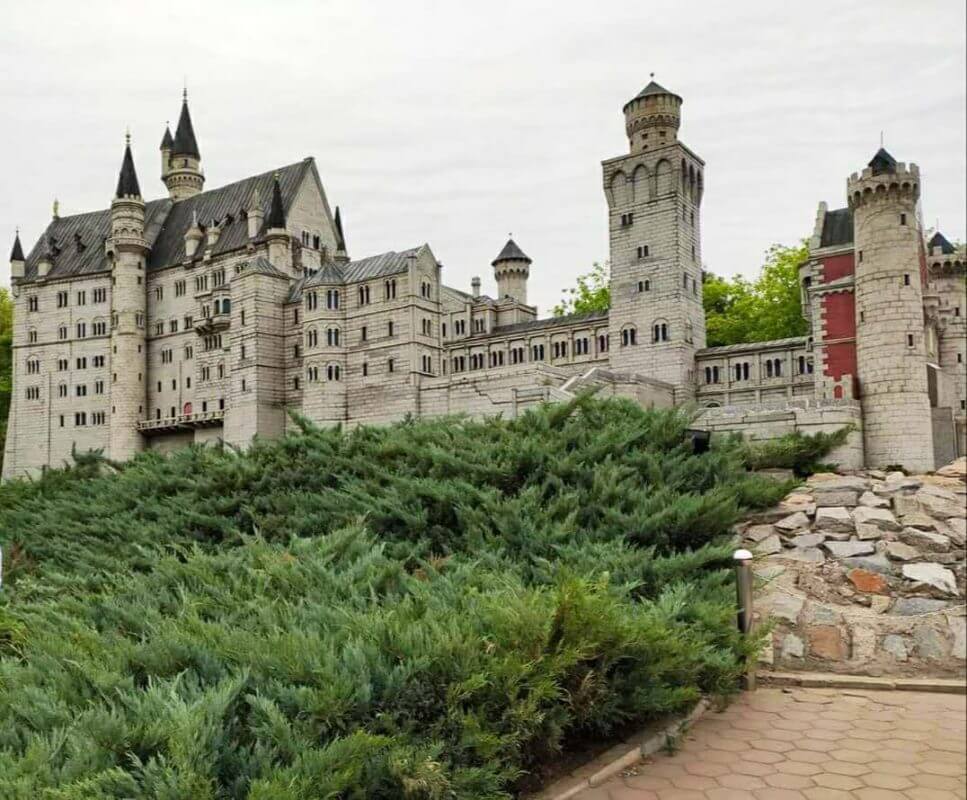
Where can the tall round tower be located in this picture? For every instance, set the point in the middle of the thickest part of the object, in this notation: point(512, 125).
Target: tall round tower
point(890, 341)
point(511, 269)
point(652, 118)
point(128, 251)
point(181, 160)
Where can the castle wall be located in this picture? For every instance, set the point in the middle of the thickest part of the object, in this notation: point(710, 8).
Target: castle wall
point(748, 374)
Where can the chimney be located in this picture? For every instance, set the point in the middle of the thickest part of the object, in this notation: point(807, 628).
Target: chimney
point(475, 286)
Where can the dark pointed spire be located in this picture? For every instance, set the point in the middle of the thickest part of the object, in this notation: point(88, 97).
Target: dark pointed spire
point(128, 179)
point(166, 141)
point(939, 240)
point(340, 238)
point(882, 162)
point(17, 254)
point(511, 252)
point(276, 213)
point(185, 143)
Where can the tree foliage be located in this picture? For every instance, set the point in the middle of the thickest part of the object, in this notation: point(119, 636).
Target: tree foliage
point(432, 609)
point(736, 310)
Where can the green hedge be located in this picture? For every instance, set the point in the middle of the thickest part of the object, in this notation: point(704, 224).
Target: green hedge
point(425, 610)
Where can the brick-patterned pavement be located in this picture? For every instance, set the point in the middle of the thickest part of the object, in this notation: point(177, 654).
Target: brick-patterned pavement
point(812, 744)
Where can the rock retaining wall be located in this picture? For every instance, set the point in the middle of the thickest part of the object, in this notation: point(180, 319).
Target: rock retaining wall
point(864, 573)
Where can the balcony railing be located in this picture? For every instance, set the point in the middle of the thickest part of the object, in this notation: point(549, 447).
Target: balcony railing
point(202, 419)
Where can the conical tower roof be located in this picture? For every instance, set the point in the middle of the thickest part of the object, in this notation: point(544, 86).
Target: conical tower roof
point(185, 143)
point(653, 88)
point(276, 212)
point(882, 162)
point(941, 241)
point(166, 141)
point(340, 238)
point(511, 252)
point(128, 179)
point(17, 254)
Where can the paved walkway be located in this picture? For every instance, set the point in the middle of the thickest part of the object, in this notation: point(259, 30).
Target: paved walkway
point(814, 744)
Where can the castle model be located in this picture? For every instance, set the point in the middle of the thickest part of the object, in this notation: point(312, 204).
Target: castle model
point(208, 314)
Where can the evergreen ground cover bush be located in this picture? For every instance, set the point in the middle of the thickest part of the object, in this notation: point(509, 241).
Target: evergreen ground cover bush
point(432, 609)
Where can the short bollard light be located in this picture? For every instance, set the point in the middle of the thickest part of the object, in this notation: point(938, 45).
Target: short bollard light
point(743, 592)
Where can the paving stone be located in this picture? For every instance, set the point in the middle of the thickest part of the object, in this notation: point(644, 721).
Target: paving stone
point(933, 575)
point(849, 549)
point(768, 546)
point(826, 641)
point(798, 501)
point(756, 533)
point(784, 606)
point(880, 604)
point(809, 555)
point(834, 518)
point(899, 551)
point(925, 540)
point(818, 614)
point(882, 518)
point(868, 582)
point(912, 606)
point(896, 646)
point(930, 643)
point(824, 482)
point(867, 533)
point(871, 500)
point(792, 646)
point(769, 572)
point(905, 505)
point(808, 539)
point(793, 522)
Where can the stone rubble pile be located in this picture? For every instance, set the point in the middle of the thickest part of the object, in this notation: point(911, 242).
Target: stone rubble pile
point(865, 573)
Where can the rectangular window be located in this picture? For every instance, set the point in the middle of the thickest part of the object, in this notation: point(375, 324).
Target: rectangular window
point(903, 219)
point(643, 251)
point(909, 340)
point(906, 279)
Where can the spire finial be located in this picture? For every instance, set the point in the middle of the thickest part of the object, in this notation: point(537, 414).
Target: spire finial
point(651, 74)
point(881, 138)
point(127, 135)
point(56, 208)
point(184, 91)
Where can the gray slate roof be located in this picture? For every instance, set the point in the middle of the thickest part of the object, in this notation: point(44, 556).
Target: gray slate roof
point(185, 143)
point(17, 253)
point(551, 322)
point(939, 240)
point(382, 265)
point(511, 252)
point(128, 177)
point(262, 266)
point(882, 162)
point(837, 228)
point(165, 225)
point(751, 347)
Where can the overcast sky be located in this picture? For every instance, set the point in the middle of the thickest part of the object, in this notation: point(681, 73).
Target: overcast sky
point(455, 123)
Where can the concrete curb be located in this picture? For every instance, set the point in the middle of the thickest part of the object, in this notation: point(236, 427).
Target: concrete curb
point(821, 680)
point(649, 746)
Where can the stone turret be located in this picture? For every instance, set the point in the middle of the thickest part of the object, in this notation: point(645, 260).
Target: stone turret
point(128, 251)
point(181, 168)
point(193, 237)
point(255, 215)
point(652, 118)
point(17, 261)
point(511, 269)
point(891, 345)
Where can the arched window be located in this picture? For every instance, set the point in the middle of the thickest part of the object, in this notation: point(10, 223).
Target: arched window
point(332, 337)
point(777, 367)
point(629, 336)
point(769, 368)
point(708, 374)
point(312, 337)
point(332, 372)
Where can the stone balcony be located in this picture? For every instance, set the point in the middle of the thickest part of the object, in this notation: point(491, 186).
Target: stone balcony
point(183, 422)
point(213, 324)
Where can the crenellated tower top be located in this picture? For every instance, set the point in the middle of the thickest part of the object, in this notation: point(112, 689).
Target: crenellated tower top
point(884, 178)
point(652, 118)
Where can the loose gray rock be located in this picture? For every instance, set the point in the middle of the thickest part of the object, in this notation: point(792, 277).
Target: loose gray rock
point(912, 606)
point(825, 499)
point(933, 575)
point(920, 521)
point(882, 518)
point(808, 540)
point(958, 630)
point(792, 646)
point(793, 522)
point(823, 482)
point(769, 546)
point(865, 532)
point(940, 506)
point(835, 518)
point(905, 505)
point(878, 563)
point(757, 533)
point(953, 557)
point(822, 615)
point(849, 549)
point(899, 551)
point(808, 555)
point(957, 531)
point(925, 540)
point(769, 572)
point(870, 500)
point(930, 643)
point(896, 646)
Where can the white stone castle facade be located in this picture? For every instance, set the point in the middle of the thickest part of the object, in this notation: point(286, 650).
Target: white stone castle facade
point(208, 315)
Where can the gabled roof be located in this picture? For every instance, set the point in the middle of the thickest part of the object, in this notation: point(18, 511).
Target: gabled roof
point(262, 266)
point(165, 224)
point(128, 178)
point(391, 263)
point(511, 252)
point(185, 143)
point(551, 322)
point(837, 228)
point(882, 162)
point(17, 254)
point(939, 240)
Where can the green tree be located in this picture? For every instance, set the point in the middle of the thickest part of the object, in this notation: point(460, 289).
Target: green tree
point(593, 293)
point(736, 310)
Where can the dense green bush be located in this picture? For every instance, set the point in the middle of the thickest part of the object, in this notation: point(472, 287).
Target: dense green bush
point(426, 610)
point(797, 451)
